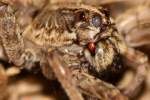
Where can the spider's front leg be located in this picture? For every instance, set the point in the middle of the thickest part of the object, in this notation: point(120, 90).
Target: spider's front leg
point(11, 39)
point(11, 45)
point(63, 75)
point(76, 81)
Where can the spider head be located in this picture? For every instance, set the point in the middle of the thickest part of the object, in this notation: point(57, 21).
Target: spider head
point(87, 23)
point(87, 26)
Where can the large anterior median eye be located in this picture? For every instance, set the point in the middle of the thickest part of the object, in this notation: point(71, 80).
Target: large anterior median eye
point(96, 20)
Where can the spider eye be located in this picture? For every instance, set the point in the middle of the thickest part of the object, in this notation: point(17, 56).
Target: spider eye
point(96, 21)
point(81, 16)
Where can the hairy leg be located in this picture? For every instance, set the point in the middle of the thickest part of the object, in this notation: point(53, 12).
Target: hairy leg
point(9, 35)
point(76, 82)
point(63, 75)
point(3, 82)
point(96, 88)
point(138, 62)
point(12, 40)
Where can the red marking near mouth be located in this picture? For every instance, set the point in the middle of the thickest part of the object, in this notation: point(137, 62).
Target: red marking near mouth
point(91, 47)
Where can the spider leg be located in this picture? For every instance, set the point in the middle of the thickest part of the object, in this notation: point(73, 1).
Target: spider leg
point(46, 70)
point(9, 35)
point(63, 75)
point(3, 82)
point(12, 40)
point(85, 83)
point(137, 61)
point(96, 88)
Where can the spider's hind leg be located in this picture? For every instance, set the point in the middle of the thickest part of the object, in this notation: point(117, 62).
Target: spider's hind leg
point(138, 62)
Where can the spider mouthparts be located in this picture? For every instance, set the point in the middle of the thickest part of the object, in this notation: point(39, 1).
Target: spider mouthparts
point(91, 46)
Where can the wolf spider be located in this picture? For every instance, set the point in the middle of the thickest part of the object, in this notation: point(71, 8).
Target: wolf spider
point(75, 44)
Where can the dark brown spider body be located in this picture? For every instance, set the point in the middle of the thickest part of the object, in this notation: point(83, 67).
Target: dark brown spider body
point(70, 42)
